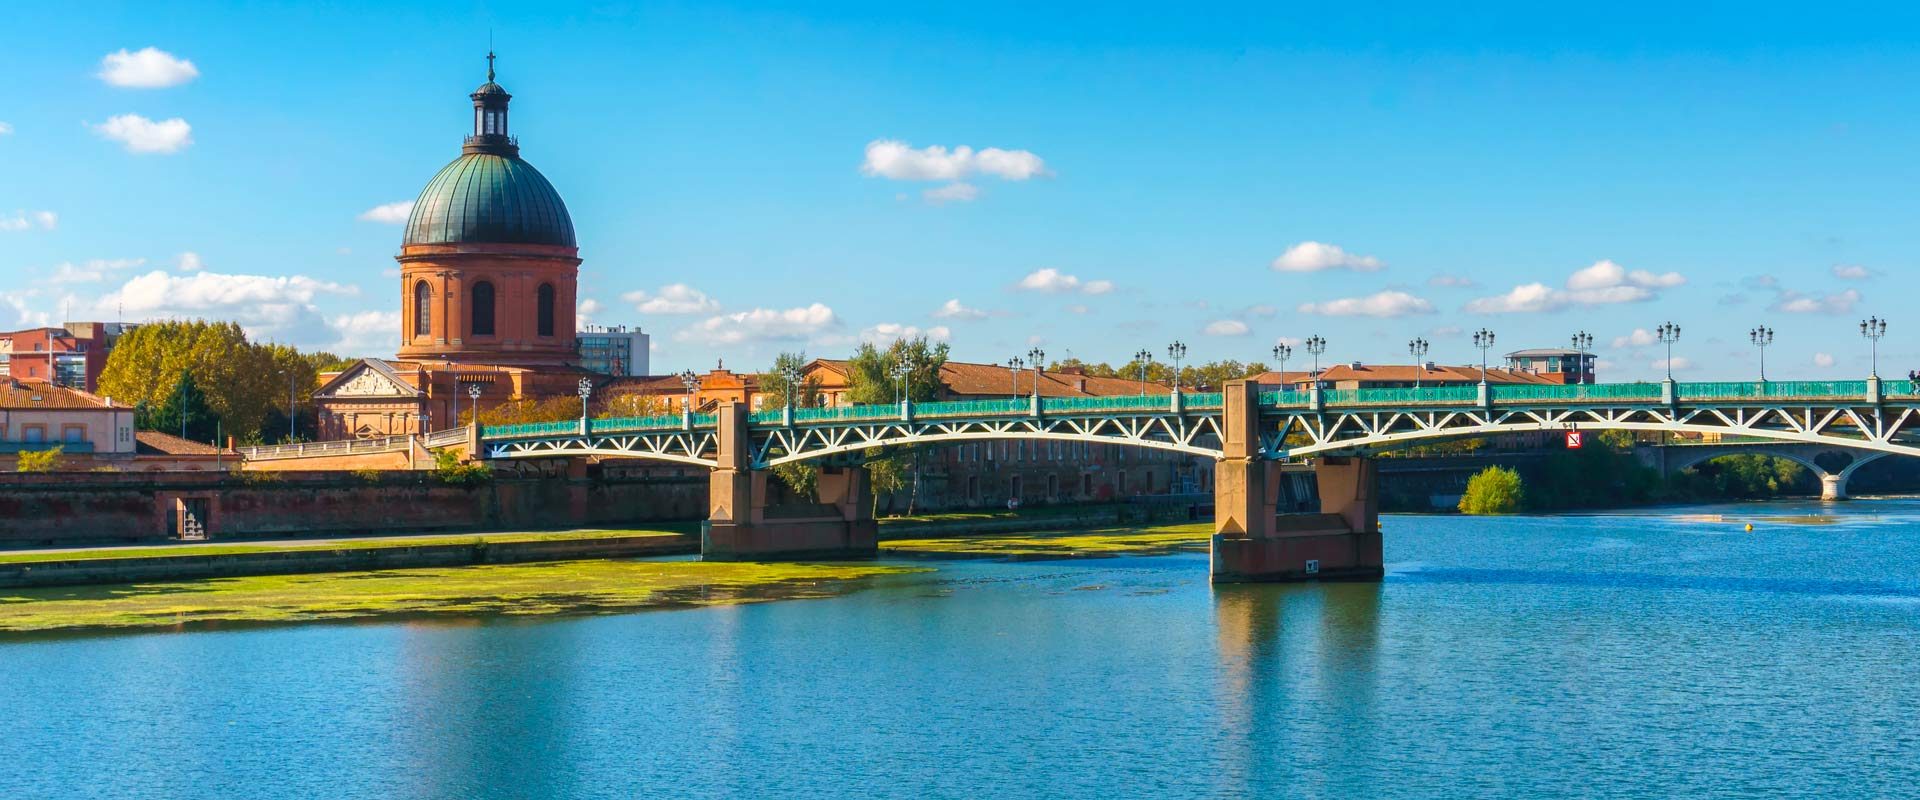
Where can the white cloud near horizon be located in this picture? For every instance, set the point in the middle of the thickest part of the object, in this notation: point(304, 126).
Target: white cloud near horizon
point(951, 193)
point(5, 129)
point(673, 298)
point(1319, 256)
point(93, 271)
point(1602, 283)
point(1792, 302)
point(954, 309)
point(146, 68)
point(897, 160)
point(140, 135)
point(1852, 272)
point(24, 220)
point(762, 324)
point(1823, 360)
point(190, 262)
point(1053, 281)
point(1390, 303)
point(396, 213)
point(887, 333)
point(1226, 327)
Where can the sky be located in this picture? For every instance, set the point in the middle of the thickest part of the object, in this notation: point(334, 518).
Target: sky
point(1092, 180)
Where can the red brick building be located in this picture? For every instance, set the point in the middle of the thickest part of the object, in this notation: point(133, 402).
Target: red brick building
point(72, 356)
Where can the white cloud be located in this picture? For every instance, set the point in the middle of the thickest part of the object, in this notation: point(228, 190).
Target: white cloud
point(141, 135)
point(1792, 302)
point(1317, 256)
point(1053, 281)
point(5, 129)
point(951, 193)
point(1226, 327)
point(1852, 272)
point(1077, 308)
point(1641, 337)
point(1451, 282)
point(1381, 304)
point(1447, 330)
point(389, 213)
point(190, 262)
point(896, 160)
point(1290, 341)
point(584, 310)
point(365, 333)
point(1603, 283)
point(889, 332)
point(23, 220)
point(1261, 310)
point(673, 298)
point(93, 271)
point(1680, 364)
point(762, 324)
point(954, 309)
point(272, 307)
point(1823, 359)
point(24, 314)
point(147, 68)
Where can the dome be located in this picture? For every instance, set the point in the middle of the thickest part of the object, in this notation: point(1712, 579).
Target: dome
point(489, 198)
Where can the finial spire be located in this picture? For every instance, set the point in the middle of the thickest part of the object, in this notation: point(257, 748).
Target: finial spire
point(489, 64)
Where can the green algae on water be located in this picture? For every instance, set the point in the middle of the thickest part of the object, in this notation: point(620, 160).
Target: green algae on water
point(1099, 543)
point(549, 588)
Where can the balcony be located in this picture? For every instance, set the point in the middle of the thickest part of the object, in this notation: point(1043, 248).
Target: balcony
point(7, 447)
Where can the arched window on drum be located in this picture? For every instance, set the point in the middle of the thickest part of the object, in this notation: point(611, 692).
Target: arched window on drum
point(543, 311)
point(483, 309)
point(422, 309)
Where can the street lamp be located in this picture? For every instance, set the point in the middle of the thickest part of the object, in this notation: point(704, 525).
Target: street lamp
point(1143, 359)
point(1582, 342)
point(1418, 349)
point(692, 382)
point(586, 391)
point(1013, 377)
point(790, 373)
point(1176, 352)
point(1873, 328)
point(1038, 359)
point(473, 393)
point(1282, 352)
point(1668, 333)
point(1483, 339)
point(900, 371)
point(1761, 337)
point(1316, 344)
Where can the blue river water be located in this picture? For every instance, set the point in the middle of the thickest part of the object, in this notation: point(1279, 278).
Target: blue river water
point(1657, 654)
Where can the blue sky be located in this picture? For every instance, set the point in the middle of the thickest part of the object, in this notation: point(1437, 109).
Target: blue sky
point(747, 179)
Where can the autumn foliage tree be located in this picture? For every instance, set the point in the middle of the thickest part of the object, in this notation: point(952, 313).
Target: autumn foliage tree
point(243, 383)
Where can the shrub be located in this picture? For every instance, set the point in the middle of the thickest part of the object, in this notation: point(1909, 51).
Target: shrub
point(450, 470)
point(1495, 490)
point(39, 460)
point(368, 475)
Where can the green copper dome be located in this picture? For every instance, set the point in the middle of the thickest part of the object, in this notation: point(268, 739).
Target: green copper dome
point(489, 198)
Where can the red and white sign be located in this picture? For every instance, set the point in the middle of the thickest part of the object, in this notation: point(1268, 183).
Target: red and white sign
point(1575, 439)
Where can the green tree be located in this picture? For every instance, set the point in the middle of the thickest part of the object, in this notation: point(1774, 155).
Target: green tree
point(870, 380)
point(800, 477)
point(183, 412)
point(243, 382)
point(1495, 490)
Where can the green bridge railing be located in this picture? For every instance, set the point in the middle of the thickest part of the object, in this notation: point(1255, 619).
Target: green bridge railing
point(1439, 396)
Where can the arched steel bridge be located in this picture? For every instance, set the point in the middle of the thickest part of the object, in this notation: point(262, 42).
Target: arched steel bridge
point(1871, 415)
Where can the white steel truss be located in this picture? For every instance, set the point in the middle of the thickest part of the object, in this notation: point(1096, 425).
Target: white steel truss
point(694, 447)
point(1195, 434)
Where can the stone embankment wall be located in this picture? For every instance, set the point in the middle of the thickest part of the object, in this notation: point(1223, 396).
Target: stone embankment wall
point(95, 507)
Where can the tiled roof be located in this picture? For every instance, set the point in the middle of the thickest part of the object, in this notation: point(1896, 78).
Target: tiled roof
point(1408, 373)
point(155, 443)
point(26, 395)
point(964, 379)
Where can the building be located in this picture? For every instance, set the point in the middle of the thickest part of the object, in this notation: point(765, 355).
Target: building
point(489, 271)
point(614, 350)
point(37, 415)
point(72, 355)
point(1557, 364)
point(960, 380)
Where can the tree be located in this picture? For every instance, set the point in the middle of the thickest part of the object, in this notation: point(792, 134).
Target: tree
point(242, 382)
point(183, 412)
point(870, 380)
point(1495, 490)
point(800, 477)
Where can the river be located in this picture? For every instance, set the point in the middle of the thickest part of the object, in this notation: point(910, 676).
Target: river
point(1657, 654)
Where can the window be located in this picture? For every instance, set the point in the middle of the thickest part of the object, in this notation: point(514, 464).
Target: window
point(33, 433)
point(422, 309)
point(73, 433)
point(483, 309)
point(543, 310)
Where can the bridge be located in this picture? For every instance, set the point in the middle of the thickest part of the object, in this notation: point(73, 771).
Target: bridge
point(1246, 430)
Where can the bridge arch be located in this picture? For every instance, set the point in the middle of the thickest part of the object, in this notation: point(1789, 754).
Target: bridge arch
point(1197, 436)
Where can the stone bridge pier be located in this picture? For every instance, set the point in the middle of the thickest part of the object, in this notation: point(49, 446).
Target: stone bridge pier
point(1254, 541)
point(742, 525)
point(1833, 477)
